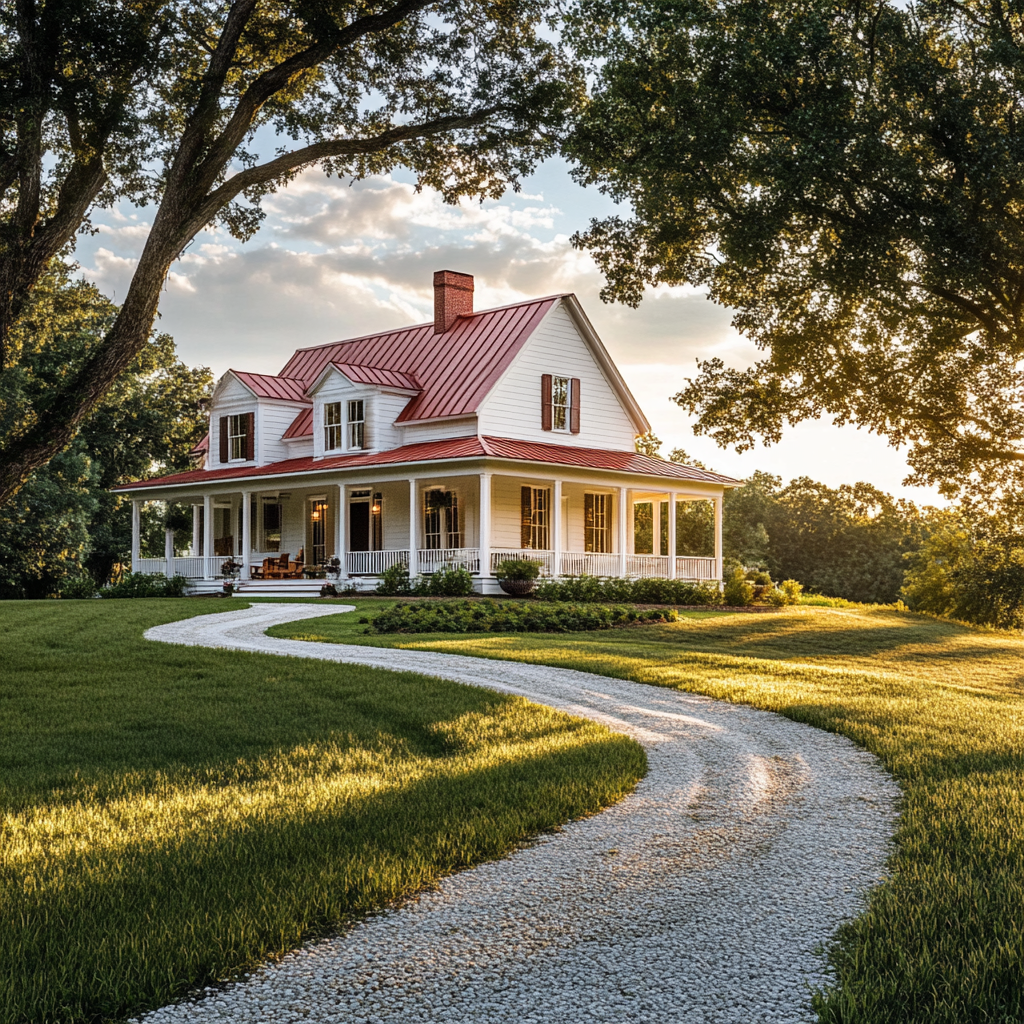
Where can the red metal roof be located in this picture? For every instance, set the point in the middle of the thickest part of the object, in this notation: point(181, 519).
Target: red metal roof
point(379, 375)
point(203, 446)
point(301, 426)
point(265, 385)
point(455, 370)
point(443, 451)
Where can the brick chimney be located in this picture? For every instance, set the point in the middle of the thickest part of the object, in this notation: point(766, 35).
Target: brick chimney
point(453, 297)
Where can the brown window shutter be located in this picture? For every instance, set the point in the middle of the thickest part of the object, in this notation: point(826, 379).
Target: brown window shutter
point(223, 439)
point(545, 401)
point(574, 409)
point(250, 436)
point(526, 514)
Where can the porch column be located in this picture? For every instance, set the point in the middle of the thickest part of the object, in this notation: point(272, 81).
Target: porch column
point(556, 525)
point(246, 534)
point(622, 531)
point(136, 533)
point(485, 524)
point(168, 551)
point(414, 559)
point(718, 537)
point(671, 535)
point(196, 536)
point(207, 535)
point(341, 531)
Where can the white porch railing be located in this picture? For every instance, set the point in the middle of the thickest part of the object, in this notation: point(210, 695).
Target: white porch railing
point(546, 558)
point(656, 566)
point(373, 563)
point(193, 567)
point(690, 567)
point(433, 559)
point(589, 563)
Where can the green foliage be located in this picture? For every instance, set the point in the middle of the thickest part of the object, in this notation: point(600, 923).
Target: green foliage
point(65, 523)
point(518, 569)
point(237, 805)
point(738, 590)
point(792, 591)
point(144, 584)
point(488, 616)
point(850, 541)
point(394, 581)
point(963, 576)
point(451, 581)
point(640, 591)
point(848, 179)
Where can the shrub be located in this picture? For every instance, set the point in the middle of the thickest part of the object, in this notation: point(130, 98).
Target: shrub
point(739, 591)
point(642, 591)
point(77, 587)
point(145, 584)
point(792, 590)
point(452, 581)
point(509, 617)
point(518, 569)
point(394, 581)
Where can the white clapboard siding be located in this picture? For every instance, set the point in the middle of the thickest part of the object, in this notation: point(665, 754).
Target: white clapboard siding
point(440, 430)
point(512, 409)
point(272, 420)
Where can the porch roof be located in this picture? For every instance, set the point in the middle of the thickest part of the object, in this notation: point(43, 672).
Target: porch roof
point(447, 451)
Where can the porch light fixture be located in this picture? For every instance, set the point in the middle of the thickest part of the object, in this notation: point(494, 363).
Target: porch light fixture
point(376, 507)
point(316, 513)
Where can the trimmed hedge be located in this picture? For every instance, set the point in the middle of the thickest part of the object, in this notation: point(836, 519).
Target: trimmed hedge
point(642, 591)
point(146, 584)
point(509, 617)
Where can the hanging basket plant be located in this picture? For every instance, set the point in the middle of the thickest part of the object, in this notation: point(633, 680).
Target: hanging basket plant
point(437, 500)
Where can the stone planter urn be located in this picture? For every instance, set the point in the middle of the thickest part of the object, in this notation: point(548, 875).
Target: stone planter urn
point(517, 588)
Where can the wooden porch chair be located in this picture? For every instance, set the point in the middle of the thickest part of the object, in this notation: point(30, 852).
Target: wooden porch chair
point(293, 570)
point(275, 568)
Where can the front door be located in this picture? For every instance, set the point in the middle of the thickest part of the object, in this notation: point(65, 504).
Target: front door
point(359, 526)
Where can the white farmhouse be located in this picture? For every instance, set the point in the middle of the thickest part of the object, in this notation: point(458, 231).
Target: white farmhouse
point(479, 437)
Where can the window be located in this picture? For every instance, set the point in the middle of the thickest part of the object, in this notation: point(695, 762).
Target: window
point(442, 524)
point(238, 434)
point(271, 526)
point(597, 522)
point(318, 531)
point(377, 522)
point(535, 518)
point(332, 426)
point(561, 400)
point(356, 424)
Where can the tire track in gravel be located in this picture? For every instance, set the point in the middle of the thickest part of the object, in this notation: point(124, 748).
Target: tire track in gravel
point(704, 897)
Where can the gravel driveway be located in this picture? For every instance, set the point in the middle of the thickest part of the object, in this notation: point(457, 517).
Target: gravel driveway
point(705, 896)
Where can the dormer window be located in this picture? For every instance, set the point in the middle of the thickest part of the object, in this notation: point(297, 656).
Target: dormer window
point(332, 426)
point(238, 435)
point(356, 424)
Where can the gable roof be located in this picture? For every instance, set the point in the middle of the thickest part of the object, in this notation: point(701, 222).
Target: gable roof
point(281, 387)
point(453, 371)
point(455, 448)
point(378, 376)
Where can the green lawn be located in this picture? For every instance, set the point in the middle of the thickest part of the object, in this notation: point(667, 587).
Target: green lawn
point(172, 815)
point(943, 941)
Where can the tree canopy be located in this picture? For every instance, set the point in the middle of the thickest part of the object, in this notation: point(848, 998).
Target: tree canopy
point(64, 522)
point(849, 178)
point(199, 109)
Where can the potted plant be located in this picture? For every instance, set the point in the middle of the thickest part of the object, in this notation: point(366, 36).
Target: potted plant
point(517, 576)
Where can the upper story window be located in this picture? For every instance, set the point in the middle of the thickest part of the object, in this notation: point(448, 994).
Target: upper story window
point(356, 424)
point(332, 426)
point(238, 437)
point(561, 395)
point(560, 403)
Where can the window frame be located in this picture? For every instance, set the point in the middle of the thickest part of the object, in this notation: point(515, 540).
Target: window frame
point(355, 429)
point(597, 522)
point(539, 524)
point(333, 429)
point(236, 439)
point(561, 412)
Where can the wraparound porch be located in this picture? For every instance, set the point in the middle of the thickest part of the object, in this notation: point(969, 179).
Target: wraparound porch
point(357, 527)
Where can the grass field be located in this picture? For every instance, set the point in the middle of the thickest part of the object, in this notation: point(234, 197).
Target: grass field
point(943, 707)
point(171, 815)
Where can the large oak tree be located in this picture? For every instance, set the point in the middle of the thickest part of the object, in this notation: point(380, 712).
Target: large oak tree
point(171, 103)
point(849, 179)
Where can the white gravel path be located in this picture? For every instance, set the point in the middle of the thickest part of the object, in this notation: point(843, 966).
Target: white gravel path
point(705, 896)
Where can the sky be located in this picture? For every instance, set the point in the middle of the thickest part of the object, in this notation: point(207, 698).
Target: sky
point(335, 259)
